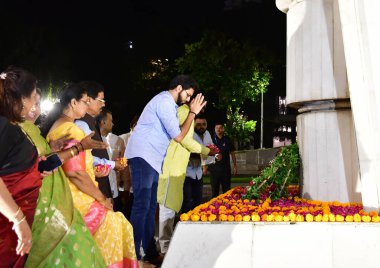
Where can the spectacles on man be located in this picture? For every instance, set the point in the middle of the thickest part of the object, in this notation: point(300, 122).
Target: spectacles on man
point(84, 101)
point(187, 93)
point(101, 100)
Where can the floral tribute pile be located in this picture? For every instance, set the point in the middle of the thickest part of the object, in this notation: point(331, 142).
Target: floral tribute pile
point(231, 207)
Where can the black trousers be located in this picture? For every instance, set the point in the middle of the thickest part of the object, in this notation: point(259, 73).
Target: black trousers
point(220, 178)
point(192, 194)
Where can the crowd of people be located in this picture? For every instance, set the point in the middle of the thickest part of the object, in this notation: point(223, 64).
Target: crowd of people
point(69, 198)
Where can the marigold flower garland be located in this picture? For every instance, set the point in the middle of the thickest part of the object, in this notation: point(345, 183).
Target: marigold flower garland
point(230, 207)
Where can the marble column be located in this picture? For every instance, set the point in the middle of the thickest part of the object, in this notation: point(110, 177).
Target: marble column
point(317, 86)
point(360, 27)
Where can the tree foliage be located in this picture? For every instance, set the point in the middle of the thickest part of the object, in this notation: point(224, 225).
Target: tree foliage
point(239, 127)
point(235, 71)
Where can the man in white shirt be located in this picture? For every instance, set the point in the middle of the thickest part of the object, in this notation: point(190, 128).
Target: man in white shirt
point(115, 151)
point(193, 186)
point(127, 187)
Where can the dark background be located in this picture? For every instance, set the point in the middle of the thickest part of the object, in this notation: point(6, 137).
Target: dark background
point(63, 41)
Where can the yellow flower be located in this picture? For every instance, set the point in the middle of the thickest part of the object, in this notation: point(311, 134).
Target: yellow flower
point(223, 217)
point(325, 218)
point(270, 218)
point(278, 218)
point(376, 218)
point(286, 218)
point(318, 218)
point(184, 217)
point(357, 218)
point(331, 217)
point(300, 218)
point(212, 217)
point(366, 218)
point(255, 217)
point(246, 218)
point(339, 218)
point(292, 216)
point(195, 217)
point(204, 217)
point(309, 217)
point(349, 218)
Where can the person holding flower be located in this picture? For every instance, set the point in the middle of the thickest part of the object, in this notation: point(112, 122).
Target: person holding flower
point(111, 231)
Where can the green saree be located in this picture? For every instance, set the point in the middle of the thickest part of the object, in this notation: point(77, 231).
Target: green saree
point(60, 235)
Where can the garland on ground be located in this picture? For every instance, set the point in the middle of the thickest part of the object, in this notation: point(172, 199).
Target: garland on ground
point(274, 180)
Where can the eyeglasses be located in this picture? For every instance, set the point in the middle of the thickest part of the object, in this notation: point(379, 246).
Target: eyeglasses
point(84, 101)
point(187, 93)
point(101, 100)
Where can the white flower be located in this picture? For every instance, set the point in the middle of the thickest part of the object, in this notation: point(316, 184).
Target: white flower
point(3, 76)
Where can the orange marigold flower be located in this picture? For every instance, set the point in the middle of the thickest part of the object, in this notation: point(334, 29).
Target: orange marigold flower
point(195, 217)
point(204, 217)
point(264, 217)
point(223, 217)
point(212, 217)
point(230, 218)
point(246, 201)
point(238, 217)
point(184, 217)
point(373, 213)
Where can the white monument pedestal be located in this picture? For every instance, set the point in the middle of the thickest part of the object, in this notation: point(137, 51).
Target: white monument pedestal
point(267, 245)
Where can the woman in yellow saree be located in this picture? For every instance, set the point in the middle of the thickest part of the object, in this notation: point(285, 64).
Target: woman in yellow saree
point(111, 230)
point(60, 236)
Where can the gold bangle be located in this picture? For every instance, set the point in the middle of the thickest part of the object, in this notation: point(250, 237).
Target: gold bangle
point(15, 224)
point(16, 214)
point(72, 152)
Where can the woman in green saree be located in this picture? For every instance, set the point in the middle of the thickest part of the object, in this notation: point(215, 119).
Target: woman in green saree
point(60, 235)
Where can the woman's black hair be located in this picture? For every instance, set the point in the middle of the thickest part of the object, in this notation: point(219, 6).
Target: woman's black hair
point(68, 92)
point(15, 83)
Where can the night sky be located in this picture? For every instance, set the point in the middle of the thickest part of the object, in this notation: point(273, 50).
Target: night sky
point(62, 41)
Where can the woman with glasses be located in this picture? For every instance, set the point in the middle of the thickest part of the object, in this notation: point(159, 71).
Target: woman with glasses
point(58, 228)
point(111, 231)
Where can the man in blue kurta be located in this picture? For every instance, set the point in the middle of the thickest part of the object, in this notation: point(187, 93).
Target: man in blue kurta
point(146, 149)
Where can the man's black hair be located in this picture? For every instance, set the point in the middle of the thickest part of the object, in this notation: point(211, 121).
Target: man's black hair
point(186, 81)
point(103, 115)
point(92, 88)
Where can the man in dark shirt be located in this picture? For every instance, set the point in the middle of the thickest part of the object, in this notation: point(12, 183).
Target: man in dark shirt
point(221, 171)
point(88, 123)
